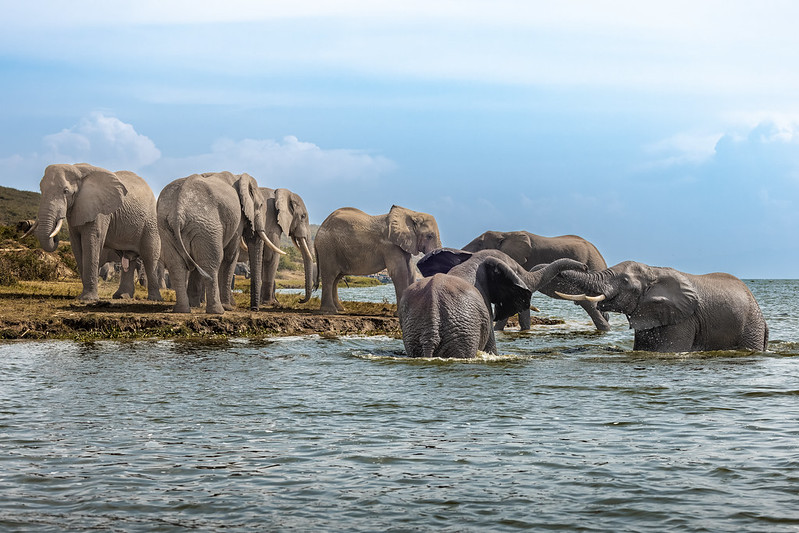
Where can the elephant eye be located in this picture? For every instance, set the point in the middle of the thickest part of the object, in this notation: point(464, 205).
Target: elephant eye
point(66, 190)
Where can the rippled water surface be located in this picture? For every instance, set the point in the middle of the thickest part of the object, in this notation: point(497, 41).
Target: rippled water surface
point(568, 429)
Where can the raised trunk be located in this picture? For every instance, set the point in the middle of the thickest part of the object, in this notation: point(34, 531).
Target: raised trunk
point(308, 265)
point(540, 277)
point(591, 283)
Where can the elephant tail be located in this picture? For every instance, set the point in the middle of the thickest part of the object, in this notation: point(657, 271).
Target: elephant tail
point(184, 253)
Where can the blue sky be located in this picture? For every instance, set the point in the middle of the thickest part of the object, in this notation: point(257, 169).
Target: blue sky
point(664, 132)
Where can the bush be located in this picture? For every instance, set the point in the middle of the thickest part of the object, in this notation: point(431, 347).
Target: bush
point(291, 261)
point(26, 265)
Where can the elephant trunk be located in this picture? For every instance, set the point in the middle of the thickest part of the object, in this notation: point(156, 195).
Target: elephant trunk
point(590, 283)
point(47, 229)
point(537, 278)
point(255, 250)
point(308, 265)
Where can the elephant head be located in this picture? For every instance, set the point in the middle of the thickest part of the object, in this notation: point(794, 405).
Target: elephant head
point(412, 231)
point(515, 244)
point(649, 296)
point(78, 193)
point(292, 218)
point(456, 262)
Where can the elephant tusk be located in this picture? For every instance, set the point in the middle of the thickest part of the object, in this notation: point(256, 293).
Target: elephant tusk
point(262, 235)
point(580, 297)
point(33, 227)
point(534, 308)
point(307, 250)
point(244, 245)
point(57, 228)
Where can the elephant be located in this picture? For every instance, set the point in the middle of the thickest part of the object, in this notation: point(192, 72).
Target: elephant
point(672, 311)
point(202, 219)
point(448, 313)
point(115, 210)
point(286, 214)
point(530, 250)
point(351, 242)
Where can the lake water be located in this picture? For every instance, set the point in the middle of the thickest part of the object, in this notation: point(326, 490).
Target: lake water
point(568, 429)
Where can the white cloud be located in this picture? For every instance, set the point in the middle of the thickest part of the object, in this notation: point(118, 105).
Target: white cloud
point(104, 141)
point(285, 163)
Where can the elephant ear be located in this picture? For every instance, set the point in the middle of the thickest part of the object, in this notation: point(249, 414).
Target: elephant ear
point(517, 245)
point(669, 299)
point(283, 207)
point(402, 225)
point(100, 191)
point(505, 289)
point(441, 261)
point(246, 187)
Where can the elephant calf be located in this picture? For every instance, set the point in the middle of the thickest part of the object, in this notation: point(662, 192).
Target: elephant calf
point(448, 314)
point(671, 311)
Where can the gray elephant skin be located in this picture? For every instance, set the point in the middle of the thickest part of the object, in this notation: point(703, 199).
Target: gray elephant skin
point(448, 314)
point(529, 250)
point(350, 241)
point(286, 214)
point(202, 219)
point(115, 210)
point(672, 311)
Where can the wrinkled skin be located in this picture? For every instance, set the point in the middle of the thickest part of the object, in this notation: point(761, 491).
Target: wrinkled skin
point(351, 242)
point(202, 219)
point(286, 214)
point(671, 311)
point(114, 210)
point(448, 313)
point(529, 250)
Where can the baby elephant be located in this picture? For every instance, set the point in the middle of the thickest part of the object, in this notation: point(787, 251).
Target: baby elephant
point(671, 311)
point(449, 315)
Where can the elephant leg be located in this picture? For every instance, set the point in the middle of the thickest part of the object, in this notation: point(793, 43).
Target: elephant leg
point(270, 264)
point(213, 304)
point(149, 256)
point(524, 319)
point(336, 301)
point(126, 283)
point(179, 279)
point(600, 319)
point(226, 274)
point(195, 289)
point(92, 244)
point(401, 275)
point(491, 343)
point(499, 325)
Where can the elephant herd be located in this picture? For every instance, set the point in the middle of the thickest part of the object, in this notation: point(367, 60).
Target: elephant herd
point(199, 223)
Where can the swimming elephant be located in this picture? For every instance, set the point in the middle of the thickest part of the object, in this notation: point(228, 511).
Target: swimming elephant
point(529, 250)
point(202, 219)
point(351, 242)
point(115, 210)
point(671, 311)
point(448, 314)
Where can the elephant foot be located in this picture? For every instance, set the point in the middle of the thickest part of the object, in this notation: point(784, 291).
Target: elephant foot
point(328, 310)
point(228, 307)
point(181, 309)
point(215, 310)
point(121, 296)
point(88, 297)
point(603, 327)
point(155, 297)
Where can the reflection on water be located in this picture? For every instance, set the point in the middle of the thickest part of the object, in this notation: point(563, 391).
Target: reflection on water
point(568, 429)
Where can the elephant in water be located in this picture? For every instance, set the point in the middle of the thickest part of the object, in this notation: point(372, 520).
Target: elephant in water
point(202, 219)
point(448, 314)
point(671, 311)
point(115, 210)
point(351, 242)
point(529, 250)
point(286, 214)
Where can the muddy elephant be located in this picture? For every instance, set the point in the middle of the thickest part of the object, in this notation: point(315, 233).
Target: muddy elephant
point(202, 219)
point(529, 250)
point(448, 314)
point(671, 311)
point(115, 210)
point(286, 214)
point(351, 242)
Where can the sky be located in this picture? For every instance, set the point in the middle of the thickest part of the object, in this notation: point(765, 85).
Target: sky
point(665, 132)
